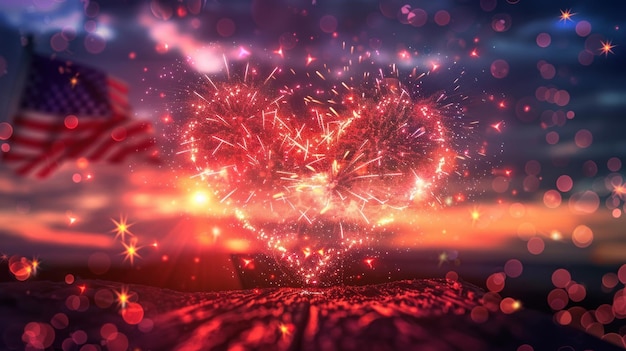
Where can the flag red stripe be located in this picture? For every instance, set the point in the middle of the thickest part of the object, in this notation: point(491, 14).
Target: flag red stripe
point(21, 121)
point(81, 145)
point(16, 156)
point(33, 143)
point(27, 169)
point(34, 124)
point(130, 131)
point(119, 102)
point(118, 85)
point(121, 154)
point(55, 136)
point(48, 169)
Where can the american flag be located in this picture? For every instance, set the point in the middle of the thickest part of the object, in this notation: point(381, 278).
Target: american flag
point(69, 111)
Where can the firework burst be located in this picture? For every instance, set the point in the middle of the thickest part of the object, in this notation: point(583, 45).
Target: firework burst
point(238, 139)
point(327, 175)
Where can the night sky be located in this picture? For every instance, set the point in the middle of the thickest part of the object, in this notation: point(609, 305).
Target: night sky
point(540, 83)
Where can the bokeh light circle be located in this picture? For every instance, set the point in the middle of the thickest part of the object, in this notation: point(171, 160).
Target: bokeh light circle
point(614, 164)
point(552, 199)
point(583, 138)
point(563, 317)
point(552, 138)
point(577, 292)
point(328, 24)
point(564, 183)
point(104, 298)
point(6, 131)
point(94, 43)
point(71, 122)
point(417, 17)
point(99, 263)
point(499, 69)
point(488, 5)
point(496, 282)
point(108, 330)
point(58, 42)
point(558, 299)
point(117, 342)
point(513, 268)
point(609, 280)
point(583, 28)
point(501, 22)
point(561, 278)
point(532, 167)
point(509, 305)
point(621, 274)
point(479, 314)
point(535, 245)
point(59, 321)
point(442, 17)
point(543, 40)
point(226, 27)
point(133, 313)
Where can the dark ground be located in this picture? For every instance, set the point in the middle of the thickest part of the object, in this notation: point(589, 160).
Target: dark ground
point(427, 314)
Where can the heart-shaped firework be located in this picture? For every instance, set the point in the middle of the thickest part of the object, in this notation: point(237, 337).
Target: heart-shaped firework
point(311, 191)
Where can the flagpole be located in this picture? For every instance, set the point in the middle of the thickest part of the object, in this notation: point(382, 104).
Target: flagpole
point(21, 79)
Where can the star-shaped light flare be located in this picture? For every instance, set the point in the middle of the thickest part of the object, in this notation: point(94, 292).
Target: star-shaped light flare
point(122, 227)
point(606, 47)
point(123, 296)
point(131, 251)
point(566, 15)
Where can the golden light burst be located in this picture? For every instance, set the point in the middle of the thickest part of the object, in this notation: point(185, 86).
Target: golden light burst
point(122, 227)
point(34, 264)
point(606, 47)
point(123, 296)
point(74, 81)
point(619, 190)
point(475, 215)
point(443, 258)
point(566, 15)
point(284, 330)
point(556, 235)
point(131, 251)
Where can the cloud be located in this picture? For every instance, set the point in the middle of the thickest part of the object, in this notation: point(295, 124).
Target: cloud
point(204, 57)
point(42, 228)
point(607, 99)
point(28, 17)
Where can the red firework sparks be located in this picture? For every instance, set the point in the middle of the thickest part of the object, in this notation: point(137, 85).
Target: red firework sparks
point(323, 181)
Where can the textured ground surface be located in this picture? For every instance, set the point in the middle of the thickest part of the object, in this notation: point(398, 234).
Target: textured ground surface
point(430, 314)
